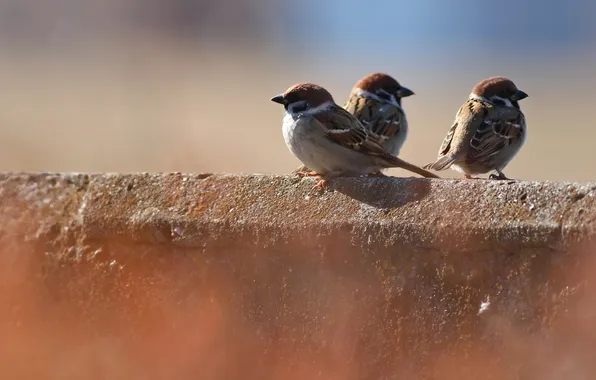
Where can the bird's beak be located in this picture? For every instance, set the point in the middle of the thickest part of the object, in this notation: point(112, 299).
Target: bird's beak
point(519, 95)
point(403, 92)
point(279, 99)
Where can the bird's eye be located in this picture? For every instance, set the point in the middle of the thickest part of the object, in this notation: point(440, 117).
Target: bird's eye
point(498, 101)
point(299, 107)
point(384, 95)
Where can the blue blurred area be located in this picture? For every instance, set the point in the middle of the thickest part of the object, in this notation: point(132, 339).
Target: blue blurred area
point(341, 27)
point(337, 26)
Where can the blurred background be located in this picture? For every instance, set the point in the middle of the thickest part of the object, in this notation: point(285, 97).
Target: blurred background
point(184, 85)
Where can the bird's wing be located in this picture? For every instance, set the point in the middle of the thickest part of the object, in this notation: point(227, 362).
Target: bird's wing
point(344, 129)
point(383, 120)
point(467, 121)
point(455, 146)
point(501, 127)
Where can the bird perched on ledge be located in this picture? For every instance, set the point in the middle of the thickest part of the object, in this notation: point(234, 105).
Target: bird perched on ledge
point(329, 140)
point(375, 101)
point(488, 132)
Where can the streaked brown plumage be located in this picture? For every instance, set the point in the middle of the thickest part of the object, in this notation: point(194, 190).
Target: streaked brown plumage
point(375, 101)
point(330, 140)
point(488, 132)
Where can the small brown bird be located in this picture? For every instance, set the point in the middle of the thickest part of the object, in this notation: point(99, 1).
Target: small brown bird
point(376, 102)
point(329, 140)
point(489, 130)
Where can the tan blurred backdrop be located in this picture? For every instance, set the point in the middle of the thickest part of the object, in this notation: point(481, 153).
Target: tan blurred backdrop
point(139, 85)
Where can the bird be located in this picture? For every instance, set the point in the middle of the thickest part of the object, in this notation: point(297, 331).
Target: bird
point(329, 140)
point(488, 131)
point(375, 101)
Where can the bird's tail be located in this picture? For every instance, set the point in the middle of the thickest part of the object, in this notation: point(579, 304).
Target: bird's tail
point(440, 164)
point(396, 162)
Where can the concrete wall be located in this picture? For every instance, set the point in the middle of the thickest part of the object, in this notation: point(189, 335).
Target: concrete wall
point(160, 276)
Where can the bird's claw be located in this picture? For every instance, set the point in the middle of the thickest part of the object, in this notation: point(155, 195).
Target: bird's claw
point(499, 176)
point(306, 174)
point(303, 171)
point(321, 185)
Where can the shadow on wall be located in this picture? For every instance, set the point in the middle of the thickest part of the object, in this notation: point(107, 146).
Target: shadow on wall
point(381, 193)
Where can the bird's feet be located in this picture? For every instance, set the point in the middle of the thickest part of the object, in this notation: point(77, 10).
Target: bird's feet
point(307, 174)
point(469, 176)
point(321, 185)
point(498, 176)
point(303, 171)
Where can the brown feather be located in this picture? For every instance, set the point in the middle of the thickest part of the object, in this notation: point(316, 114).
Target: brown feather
point(480, 131)
point(382, 120)
point(345, 130)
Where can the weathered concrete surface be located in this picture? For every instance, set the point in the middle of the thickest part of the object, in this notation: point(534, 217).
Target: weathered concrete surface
point(160, 276)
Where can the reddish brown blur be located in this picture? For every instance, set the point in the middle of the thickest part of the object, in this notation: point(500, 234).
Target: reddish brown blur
point(147, 312)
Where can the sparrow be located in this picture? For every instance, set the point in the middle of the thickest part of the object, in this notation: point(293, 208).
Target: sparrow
point(375, 101)
point(489, 130)
point(329, 140)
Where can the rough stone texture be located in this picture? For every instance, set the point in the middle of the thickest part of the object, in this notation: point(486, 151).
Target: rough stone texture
point(160, 276)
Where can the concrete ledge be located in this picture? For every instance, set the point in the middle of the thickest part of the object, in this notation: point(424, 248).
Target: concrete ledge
point(226, 276)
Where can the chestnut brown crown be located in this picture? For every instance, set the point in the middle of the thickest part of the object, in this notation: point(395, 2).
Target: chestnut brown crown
point(310, 93)
point(382, 85)
point(498, 86)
